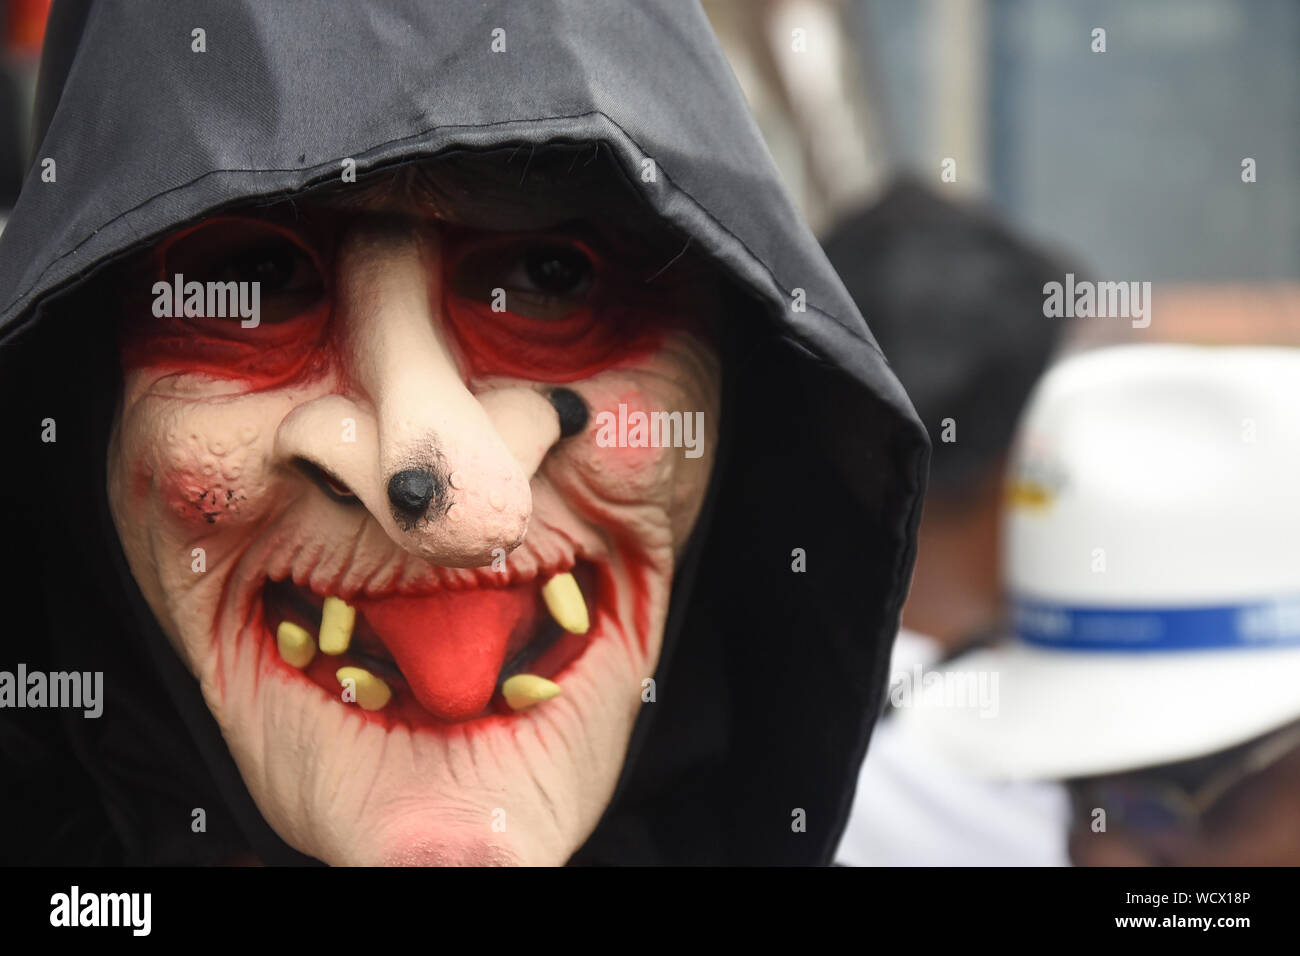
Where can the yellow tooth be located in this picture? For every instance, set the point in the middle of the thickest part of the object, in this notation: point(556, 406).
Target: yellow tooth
point(524, 690)
point(564, 601)
point(336, 622)
point(297, 646)
point(372, 693)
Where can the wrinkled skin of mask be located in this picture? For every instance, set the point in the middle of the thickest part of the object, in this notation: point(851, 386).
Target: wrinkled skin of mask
point(385, 450)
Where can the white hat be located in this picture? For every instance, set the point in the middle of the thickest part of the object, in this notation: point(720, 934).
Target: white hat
point(1152, 560)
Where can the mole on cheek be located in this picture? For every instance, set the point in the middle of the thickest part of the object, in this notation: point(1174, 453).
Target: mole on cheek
point(571, 409)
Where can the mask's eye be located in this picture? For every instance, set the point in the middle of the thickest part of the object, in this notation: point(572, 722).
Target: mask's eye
point(540, 280)
point(277, 266)
point(557, 270)
point(255, 255)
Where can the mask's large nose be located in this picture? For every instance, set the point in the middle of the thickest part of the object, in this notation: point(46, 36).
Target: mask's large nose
point(426, 458)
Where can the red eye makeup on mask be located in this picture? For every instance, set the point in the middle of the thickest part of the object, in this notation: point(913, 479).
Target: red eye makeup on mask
point(542, 308)
point(248, 299)
point(235, 298)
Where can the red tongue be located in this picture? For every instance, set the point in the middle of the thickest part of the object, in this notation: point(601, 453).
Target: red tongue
point(450, 646)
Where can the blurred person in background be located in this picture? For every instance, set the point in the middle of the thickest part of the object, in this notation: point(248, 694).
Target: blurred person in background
point(1149, 560)
point(956, 303)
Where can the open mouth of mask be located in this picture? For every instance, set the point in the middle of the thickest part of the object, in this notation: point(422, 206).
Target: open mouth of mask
point(492, 645)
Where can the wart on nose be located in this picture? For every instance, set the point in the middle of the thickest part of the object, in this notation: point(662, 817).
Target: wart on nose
point(411, 490)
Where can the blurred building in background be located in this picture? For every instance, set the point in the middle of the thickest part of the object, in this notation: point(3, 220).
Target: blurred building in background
point(1131, 157)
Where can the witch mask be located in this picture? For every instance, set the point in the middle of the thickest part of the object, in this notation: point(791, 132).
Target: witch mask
point(386, 520)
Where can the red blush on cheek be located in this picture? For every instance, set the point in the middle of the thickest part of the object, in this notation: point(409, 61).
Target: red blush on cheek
point(197, 499)
point(613, 429)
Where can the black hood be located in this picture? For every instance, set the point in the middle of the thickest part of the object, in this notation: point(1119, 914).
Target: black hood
point(770, 679)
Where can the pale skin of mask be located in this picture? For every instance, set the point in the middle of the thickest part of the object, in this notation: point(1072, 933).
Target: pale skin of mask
point(204, 460)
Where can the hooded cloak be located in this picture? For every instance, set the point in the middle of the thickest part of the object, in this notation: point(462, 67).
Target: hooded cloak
point(770, 678)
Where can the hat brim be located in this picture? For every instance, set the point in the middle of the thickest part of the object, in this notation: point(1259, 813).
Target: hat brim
point(1054, 715)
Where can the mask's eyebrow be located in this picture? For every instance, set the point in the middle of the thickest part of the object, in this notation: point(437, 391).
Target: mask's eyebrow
point(503, 196)
point(385, 223)
point(415, 196)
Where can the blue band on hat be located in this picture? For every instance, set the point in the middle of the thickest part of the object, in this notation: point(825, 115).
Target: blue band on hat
point(1144, 630)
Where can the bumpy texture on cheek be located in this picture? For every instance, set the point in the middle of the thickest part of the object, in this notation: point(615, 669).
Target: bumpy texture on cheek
point(204, 481)
point(190, 482)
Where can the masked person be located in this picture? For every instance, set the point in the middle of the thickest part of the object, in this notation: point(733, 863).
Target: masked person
point(1151, 679)
point(463, 454)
